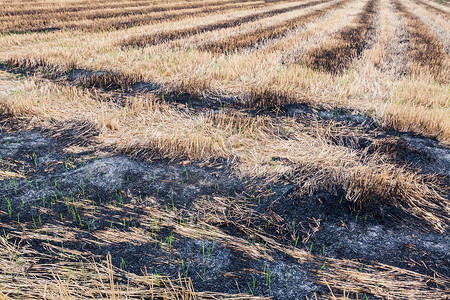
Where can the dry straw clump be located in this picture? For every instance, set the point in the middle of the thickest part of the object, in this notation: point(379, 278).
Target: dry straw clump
point(25, 273)
point(356, 279)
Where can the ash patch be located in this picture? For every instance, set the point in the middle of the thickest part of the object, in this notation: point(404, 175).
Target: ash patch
point(327, 225)
point(439, 155)
point(13, 144)
point(348, 117)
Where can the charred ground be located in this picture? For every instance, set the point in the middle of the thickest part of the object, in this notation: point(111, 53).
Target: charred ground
point(109, 202)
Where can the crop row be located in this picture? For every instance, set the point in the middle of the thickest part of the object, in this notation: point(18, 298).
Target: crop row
point(436, 10)
point(50, 8)
point(253, 38)
point(347, 44)
point(426, 50)
point(100, 20)
point(99, 13)
point(153, 39)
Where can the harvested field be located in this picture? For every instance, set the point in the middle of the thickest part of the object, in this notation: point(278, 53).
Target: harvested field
point(220, 149)
point(116, 18)
point(427, 51)
point(435, 8)
point(253, 38)
point(176, 34)
point(337, 52)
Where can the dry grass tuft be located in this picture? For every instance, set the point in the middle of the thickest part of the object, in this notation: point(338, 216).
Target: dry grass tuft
point(26, 273)
point(9, 174)
point(387, 282)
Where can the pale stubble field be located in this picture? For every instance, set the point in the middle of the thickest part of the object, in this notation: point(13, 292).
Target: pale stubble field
point(224, 149)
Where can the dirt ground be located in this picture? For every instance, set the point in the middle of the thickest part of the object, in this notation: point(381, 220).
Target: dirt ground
point(59, 167)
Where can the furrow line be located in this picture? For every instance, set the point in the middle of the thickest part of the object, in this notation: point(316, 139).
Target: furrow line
point(253, 38)
point(336, 54)
point(157, 38)
point(99, 13)
point(437, 23)
point(46, 10)
point(120, 21)
point(426, 49)
point(299, 41)
point(440, 11)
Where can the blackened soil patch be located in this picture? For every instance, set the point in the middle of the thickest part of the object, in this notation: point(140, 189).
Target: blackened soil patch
point(76, 198)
